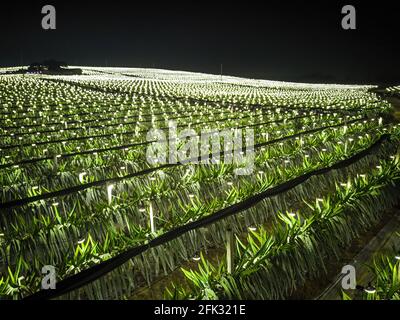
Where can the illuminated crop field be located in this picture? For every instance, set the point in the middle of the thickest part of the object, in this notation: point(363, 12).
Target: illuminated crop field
point(80, 198)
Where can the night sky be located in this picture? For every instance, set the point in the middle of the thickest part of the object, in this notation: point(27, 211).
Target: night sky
point(296, 41)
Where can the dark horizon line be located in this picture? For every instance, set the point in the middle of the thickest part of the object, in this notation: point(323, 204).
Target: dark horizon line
point(311, 78)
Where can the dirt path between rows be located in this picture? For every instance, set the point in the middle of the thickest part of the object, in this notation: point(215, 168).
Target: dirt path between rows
point(395, 101)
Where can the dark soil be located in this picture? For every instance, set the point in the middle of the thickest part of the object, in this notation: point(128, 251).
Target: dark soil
point(315, 287)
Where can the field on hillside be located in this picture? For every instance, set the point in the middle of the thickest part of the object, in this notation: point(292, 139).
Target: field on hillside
point(80, 201)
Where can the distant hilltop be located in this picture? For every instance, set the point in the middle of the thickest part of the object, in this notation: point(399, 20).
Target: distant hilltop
point(51, 67)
